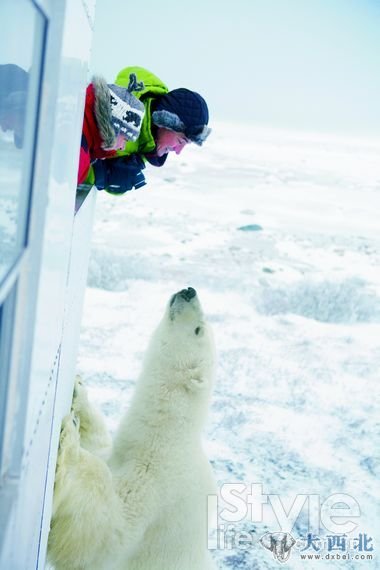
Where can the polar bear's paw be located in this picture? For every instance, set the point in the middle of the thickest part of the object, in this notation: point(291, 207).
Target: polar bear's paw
point(69, 443)
point(80, 398)
point(93, 433)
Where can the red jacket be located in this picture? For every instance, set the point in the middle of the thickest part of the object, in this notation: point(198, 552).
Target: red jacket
point(91, 144)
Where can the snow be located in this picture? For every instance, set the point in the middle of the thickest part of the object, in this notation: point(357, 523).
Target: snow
point(279, 234)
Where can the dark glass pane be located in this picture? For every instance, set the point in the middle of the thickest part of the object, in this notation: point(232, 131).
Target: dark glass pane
point(18, 72)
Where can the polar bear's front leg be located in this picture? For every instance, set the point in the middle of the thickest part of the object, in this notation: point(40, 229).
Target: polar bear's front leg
point(68, 455)
point(87, 523)
point(94, 435)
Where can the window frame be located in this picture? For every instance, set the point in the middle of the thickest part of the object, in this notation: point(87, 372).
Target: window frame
point(15, 341)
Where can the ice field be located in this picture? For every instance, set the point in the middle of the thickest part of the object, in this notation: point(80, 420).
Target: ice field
point(279, 233)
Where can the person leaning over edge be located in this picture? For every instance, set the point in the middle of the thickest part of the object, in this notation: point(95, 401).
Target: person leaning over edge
point(135, 120)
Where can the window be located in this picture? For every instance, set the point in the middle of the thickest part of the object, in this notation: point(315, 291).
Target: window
point(19, 69)
point(21, 51)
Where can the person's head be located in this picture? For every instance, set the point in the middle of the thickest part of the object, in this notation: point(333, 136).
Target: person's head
point(181, 117)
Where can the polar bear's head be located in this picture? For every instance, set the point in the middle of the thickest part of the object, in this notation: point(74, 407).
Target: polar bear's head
point(183, 342)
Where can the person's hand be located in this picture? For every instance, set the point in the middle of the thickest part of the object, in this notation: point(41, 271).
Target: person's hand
point(118, 175)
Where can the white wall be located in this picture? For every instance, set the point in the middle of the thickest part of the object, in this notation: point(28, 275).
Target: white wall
point(51, 288)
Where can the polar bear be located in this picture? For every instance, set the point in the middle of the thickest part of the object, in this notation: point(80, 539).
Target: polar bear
point(145, 507)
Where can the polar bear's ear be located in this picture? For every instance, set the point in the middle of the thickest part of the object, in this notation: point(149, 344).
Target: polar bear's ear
point(197, 381)
point(194, 378)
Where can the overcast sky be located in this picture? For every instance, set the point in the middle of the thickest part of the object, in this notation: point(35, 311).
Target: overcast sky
point(303, 64)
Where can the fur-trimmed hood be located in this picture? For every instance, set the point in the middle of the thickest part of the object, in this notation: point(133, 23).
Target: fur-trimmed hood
point(102, 111)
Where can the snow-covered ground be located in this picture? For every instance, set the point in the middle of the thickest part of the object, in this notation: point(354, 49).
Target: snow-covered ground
point(279, 233)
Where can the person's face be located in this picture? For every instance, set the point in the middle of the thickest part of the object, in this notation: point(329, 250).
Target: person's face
point(168, 141)
point(120, 142)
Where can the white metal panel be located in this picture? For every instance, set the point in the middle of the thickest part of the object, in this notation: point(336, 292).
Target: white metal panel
point(61, 267)
point(89, 8)
point(72, 80)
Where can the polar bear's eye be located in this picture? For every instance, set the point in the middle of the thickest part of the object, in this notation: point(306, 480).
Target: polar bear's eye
point(197, 330)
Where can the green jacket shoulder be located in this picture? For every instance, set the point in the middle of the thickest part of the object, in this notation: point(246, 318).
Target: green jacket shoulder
point(152, 84)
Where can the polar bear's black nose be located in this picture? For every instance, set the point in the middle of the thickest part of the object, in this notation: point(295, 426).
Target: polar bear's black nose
point(187, 294)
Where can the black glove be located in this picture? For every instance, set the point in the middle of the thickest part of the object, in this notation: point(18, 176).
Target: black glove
point(118, 175)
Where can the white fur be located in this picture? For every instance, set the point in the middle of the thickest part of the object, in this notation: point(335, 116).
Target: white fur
point(146, 507)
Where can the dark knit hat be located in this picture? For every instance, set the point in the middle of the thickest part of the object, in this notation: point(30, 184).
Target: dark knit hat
point(183, 111)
